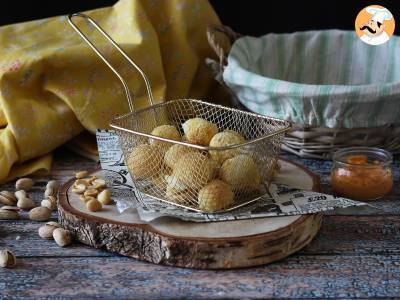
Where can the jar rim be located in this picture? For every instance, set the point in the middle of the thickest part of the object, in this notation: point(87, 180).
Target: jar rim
point(385, 157)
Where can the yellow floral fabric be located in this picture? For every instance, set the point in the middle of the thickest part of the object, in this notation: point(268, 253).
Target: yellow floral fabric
point(52, 86)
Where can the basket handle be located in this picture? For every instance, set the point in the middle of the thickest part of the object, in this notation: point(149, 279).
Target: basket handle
point(124, 54)
point(216, 34)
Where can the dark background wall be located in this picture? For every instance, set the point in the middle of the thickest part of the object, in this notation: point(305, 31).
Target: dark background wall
point(253, 17)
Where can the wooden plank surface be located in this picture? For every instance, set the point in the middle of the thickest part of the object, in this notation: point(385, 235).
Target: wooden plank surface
point(319, 276)
point(356, 254)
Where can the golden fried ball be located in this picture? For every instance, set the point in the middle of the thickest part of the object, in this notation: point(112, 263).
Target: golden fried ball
point(178, 192)
point(177, 195)
point(214, 166)
point(199, 131)
point(215, 195)
point(145, 161)
point(159, 182)
point(165, 131)
point(194, 170)
point(276, 166)
point(241, 173)
point(223, 139)
point(174, 153)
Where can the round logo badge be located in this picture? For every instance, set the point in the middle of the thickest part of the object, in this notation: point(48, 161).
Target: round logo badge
point(374, 25)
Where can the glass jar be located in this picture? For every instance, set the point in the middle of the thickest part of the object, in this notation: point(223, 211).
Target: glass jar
point(362, 173)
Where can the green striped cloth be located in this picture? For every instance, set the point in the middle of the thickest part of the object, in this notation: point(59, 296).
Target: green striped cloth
point(324, 78)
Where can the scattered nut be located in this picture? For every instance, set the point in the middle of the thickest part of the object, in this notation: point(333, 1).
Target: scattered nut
point(91, 192)
point(7, 198)
point(49, 204)
point(46, 231)
point(93, 205)
point(91, 179)
point(25, 203)
point(104, 197)
point(7, 259)
point(40, 214)
point(62, 237)
point(52, 184)
point(85, 199)
point(81, 174)
point(52, 199)
point(24, 184)
point(11, 208)
point(6, 214)
point(99, 183)
point(50, 192)
point(81, 181)
point(20, 194)
point(53, 223)
point(79, 189)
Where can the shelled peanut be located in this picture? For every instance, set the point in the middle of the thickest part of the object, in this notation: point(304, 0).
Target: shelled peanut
point(46, 231)
point(15, 202)
point(7, 259)
point(92, 191)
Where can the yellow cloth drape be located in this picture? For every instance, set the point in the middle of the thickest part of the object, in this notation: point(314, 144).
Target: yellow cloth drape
point(53, 87)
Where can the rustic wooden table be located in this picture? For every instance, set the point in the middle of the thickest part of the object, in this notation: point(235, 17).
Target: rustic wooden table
point(356, 254)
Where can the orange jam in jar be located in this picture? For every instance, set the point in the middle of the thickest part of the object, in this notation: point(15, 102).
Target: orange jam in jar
point(362, 173)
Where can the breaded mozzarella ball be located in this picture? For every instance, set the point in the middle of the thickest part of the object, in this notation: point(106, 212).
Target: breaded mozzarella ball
point(241, 173)
point(174, 153)
point(199, 131)
point(144, 161)
point(194, 170)
point(223, 139)
point(215, 195)
point(165, 131)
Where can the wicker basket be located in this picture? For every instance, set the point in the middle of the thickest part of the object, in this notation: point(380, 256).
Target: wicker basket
point(306, 140)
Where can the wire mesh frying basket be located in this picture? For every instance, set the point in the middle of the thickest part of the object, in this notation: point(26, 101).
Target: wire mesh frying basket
point(168, 153)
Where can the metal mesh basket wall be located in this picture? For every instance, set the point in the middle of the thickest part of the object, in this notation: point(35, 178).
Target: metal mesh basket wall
point(249, 170)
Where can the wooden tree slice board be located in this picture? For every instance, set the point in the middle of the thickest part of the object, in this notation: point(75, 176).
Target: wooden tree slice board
point(216, 245)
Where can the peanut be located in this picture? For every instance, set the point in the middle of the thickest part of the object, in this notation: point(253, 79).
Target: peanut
point(7, 259)
point(105, 197)
point(62, 237)
point(91, 179)
point(6, 214)
point(80, 181)
point(49, 204)
point(40, 214)
point(99, 183)
point(7, 198)
point(50, 192)
point(85, 199)
point(46, 231)
point(53, 223)
point(52, 184)
point(52, 199)
point(25, 203)
point(24, 184)
point(10, 208)
point(91, 192)
point(79, 189)
point(81, 174)
point(20, 194)
point(93, 205)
